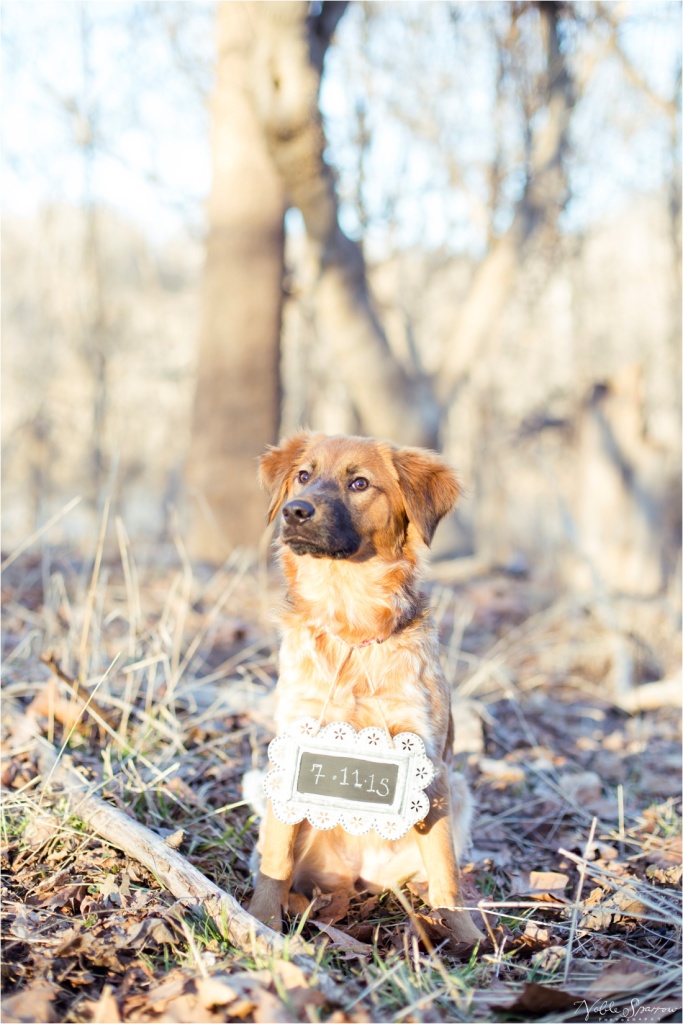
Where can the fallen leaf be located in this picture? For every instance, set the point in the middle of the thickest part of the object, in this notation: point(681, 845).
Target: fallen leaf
point(432, 931)
point(550, 958)
point(215, 991)
point(169, 989)
point(336, 907)
point(31, 1005)
point(186, 1009)
point(346, 943)
point(665, 876)
point(71, 897)
point(176, 840)
point(663, 853)
point(367, 907)
point(618, 978)
point(151, 931)
point(536, 935)
point(300, 995)
point(501, 773)
point(269, 1009)
point(537, 1000)
point(40, 829)
point(419, 889)
point(584, 788)
point(361, 930)
point(541, 885)
point(106, 1010)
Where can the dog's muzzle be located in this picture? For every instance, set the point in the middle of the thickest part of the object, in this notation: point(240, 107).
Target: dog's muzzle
point(320, 527)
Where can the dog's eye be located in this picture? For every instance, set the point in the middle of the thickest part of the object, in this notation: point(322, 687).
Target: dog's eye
point(303, 476)
point(359, 484)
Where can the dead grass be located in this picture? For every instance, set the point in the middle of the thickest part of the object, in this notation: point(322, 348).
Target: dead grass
point(576, 856)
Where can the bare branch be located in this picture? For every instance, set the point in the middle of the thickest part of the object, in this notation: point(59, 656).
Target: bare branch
point(176, 873)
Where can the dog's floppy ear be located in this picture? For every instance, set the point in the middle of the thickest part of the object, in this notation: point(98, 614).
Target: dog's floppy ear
point(430, 488)
point(275, 465)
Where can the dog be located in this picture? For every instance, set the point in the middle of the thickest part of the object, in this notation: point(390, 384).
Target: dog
point(357, 516)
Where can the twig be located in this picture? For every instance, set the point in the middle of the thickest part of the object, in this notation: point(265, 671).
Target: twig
point(179, 876)
point(583, 865)
point(39, 533)
point(90, 602)
point(78, 690)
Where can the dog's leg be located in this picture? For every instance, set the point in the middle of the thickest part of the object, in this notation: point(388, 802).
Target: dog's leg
point(435, 841)
point(275, 871)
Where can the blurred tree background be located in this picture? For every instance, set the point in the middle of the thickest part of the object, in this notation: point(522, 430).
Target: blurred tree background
point(453, 224)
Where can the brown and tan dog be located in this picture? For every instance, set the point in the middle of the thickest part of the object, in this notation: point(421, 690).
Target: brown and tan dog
point(357, 517)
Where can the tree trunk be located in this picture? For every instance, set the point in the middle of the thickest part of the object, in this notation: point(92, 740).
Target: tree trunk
point(292, 45)
point(537, 210)
point(237, 400)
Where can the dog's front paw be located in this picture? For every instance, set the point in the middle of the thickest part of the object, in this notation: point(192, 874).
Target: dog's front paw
point(461, 926)
point(268, 900)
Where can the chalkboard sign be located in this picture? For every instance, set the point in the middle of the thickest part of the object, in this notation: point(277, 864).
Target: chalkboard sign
point(359, 780)
point(347, 778)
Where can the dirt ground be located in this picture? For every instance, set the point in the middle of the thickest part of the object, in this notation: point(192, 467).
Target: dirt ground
point(154, 682)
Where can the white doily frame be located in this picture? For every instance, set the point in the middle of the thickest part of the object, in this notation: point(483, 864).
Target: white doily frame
point(396, 804)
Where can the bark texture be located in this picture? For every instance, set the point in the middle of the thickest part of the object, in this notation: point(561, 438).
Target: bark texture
point(177, 874)
point(237, 397)
point(388, 401)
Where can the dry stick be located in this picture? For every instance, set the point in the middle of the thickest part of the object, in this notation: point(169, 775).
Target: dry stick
point(39, 533)
point(77, 689)
point(180, 877)
point(90, 602)
point(583, 865)
point(134, 613)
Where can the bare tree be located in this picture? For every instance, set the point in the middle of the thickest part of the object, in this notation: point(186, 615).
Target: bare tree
point(237, 398)
point(269, 147)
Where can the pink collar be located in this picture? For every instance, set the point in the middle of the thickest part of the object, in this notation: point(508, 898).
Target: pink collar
point(374, 639)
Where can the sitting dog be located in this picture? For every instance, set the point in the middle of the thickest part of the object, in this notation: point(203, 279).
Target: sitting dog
point(357, 518)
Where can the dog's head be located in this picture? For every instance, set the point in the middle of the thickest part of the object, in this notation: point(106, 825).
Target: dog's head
point(353, 496)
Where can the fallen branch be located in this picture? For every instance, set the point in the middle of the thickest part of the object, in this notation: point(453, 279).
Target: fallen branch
point(180, 877)
point(652, 696)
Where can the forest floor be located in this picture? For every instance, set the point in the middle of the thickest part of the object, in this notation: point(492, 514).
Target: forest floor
point(576, 856)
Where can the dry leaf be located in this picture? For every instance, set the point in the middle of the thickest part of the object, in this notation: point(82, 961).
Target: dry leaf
point(175, 839)
point(346, 943)
point(501, 773)
point(539, 885)
point(40, 829)
point(300, 995)
point(151, 931)
point(618, 978)
point(538, 1000)
point(336, 907)
point(186, 1009)
point(584, 788)
point(31, 1005)
point(549, 959)
point(419, 889)
point(367, 907)
point(548, 881)
point(169, 989)
point(536, 935)
point(362, 930)
point(215, 991)
point(432, 931)
point(269, 1009)
point(670, 877)
point(106, 1010)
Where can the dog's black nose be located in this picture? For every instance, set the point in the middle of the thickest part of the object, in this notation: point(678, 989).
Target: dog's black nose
point(298, 511)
